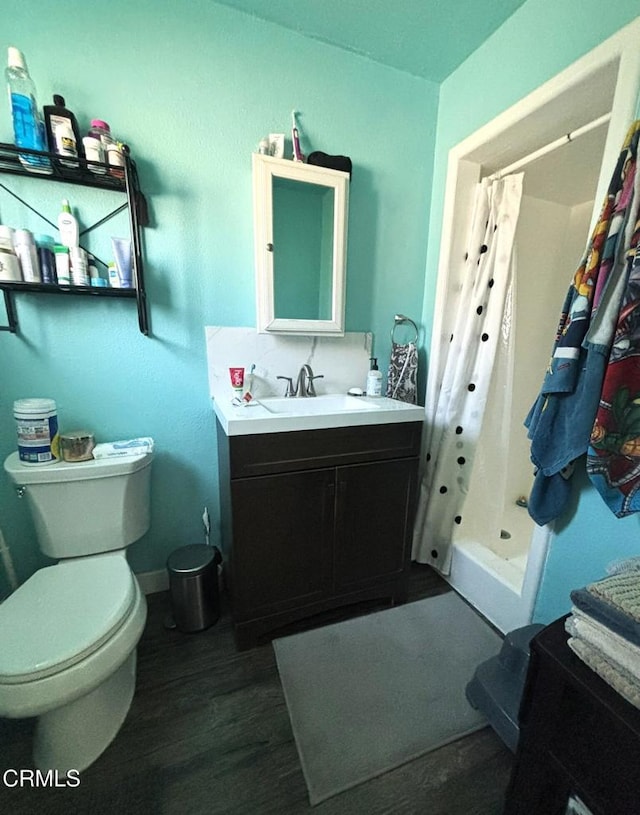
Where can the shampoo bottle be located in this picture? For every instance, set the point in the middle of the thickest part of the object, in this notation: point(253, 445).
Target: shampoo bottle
point(63, 134)
point(374, 379)
point(68, 226)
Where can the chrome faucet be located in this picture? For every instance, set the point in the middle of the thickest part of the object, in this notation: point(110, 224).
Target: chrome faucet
point(289, 391)
point(304, 385)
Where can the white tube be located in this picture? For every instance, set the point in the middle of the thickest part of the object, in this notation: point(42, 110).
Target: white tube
point(122, 256)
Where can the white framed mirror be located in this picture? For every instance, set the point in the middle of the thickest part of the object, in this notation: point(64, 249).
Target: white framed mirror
point(300, 233)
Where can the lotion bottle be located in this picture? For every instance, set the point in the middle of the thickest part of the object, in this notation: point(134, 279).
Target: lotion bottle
point(374, 379)
point(68, 226)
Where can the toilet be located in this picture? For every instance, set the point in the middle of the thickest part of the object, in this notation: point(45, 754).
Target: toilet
point(68, 635)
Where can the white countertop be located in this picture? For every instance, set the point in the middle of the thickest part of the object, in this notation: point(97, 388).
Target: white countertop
point(258, 416)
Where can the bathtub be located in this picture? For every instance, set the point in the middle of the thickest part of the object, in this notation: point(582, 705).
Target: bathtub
point(500, 578)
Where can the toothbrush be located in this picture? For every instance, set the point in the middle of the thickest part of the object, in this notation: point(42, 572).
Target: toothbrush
point(297, 153)
point(207, 526)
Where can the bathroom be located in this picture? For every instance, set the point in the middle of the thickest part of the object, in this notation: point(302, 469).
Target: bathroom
point(193, 110)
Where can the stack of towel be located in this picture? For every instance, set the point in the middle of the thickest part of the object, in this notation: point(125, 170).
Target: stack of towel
point(605, 630)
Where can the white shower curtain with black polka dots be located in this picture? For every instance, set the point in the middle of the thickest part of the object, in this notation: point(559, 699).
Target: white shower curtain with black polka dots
point(453, 426)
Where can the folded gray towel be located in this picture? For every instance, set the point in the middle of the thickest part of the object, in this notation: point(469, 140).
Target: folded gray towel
point(612, 646)
point(621, 590)
point(612, 674)
point(607, 614)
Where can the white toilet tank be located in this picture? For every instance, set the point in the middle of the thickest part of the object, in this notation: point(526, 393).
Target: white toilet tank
point(87, 507)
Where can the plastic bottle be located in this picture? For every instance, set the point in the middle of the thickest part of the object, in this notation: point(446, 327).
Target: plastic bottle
point(25, 247)
point(374, 379)
point(101, 130)
point(112, 272)
point(45, 244)
point(63, 269)
point(66, 144)
point(63, 133)
point(28, 127)
point(68, 226)
point(37, 429)
point(94, 274)
point(78, 266)
point(115, 160)
point(9, 263)
point(94, 152)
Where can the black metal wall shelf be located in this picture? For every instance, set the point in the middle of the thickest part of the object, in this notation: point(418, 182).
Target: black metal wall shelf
point(76, 171)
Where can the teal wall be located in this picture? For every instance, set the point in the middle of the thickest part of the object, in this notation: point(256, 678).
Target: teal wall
point(542, 38)
point(193, 87)
point(587, 539)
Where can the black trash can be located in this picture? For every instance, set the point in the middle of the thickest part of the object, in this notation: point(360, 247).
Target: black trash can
point(193, 586)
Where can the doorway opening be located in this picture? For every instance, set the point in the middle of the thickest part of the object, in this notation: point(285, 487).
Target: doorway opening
point(563, 190)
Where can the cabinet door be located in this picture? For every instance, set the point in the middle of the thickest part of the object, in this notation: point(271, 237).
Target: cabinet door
point(282, 540)
point(374, 522)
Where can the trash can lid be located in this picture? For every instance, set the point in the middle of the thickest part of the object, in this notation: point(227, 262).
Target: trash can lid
point(191, 559)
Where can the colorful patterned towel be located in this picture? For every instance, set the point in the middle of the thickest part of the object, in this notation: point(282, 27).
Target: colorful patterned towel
point(613, 460)
point(561, 421)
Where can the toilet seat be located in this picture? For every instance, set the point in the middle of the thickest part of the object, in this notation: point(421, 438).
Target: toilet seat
point(62, 614)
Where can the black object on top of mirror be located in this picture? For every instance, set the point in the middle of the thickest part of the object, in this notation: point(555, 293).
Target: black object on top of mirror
point(342, 163)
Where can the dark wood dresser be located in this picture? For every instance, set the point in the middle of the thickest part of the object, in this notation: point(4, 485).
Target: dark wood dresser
point(577, 737)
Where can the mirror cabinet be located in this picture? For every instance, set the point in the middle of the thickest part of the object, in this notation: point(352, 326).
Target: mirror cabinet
point(300, 232)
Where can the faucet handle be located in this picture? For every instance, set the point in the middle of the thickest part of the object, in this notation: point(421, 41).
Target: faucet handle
point(289, 391)
point(311, 391)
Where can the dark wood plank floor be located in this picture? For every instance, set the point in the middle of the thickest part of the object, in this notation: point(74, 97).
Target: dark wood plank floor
point(208, 732)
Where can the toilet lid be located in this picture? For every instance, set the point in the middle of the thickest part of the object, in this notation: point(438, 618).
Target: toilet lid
point(62, 614)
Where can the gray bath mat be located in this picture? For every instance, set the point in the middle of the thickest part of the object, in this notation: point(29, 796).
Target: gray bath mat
point(369, 694)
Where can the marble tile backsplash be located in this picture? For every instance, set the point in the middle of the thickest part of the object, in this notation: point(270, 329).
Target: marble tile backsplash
point(342, 361)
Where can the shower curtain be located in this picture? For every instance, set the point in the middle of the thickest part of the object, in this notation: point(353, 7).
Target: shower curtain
point(454, 427)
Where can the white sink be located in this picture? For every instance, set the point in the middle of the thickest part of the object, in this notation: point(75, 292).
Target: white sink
point(275, 414)
point(317, 405)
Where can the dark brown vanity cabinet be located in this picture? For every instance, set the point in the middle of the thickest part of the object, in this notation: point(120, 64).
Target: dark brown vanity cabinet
point(315, 519)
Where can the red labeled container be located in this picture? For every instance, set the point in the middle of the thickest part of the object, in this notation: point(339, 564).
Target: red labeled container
point(237, 378)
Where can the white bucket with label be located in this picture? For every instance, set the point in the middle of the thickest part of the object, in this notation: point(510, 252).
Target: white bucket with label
point(37, 426)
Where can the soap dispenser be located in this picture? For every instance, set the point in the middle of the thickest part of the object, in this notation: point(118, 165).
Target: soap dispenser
point(374, 379)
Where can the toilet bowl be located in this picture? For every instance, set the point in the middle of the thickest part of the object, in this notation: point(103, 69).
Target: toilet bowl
point(67, 655)
point(68, 635)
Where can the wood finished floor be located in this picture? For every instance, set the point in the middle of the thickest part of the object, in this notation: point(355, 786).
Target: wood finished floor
point(208, 733)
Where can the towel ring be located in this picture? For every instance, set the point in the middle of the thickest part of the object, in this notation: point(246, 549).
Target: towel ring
point(399, 319)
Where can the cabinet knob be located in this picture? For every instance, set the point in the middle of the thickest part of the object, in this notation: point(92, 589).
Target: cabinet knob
point(269, 247)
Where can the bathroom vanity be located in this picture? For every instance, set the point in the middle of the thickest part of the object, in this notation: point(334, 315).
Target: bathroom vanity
point(317, 510)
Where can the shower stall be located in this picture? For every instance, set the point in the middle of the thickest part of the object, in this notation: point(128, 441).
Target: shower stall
point(498, 557)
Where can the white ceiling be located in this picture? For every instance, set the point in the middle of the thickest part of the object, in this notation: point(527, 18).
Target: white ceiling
point(426, 38)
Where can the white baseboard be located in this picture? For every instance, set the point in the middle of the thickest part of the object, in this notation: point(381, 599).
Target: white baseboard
point(153, 582)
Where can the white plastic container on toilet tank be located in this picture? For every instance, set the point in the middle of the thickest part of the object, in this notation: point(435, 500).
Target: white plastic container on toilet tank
point(37, 429)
